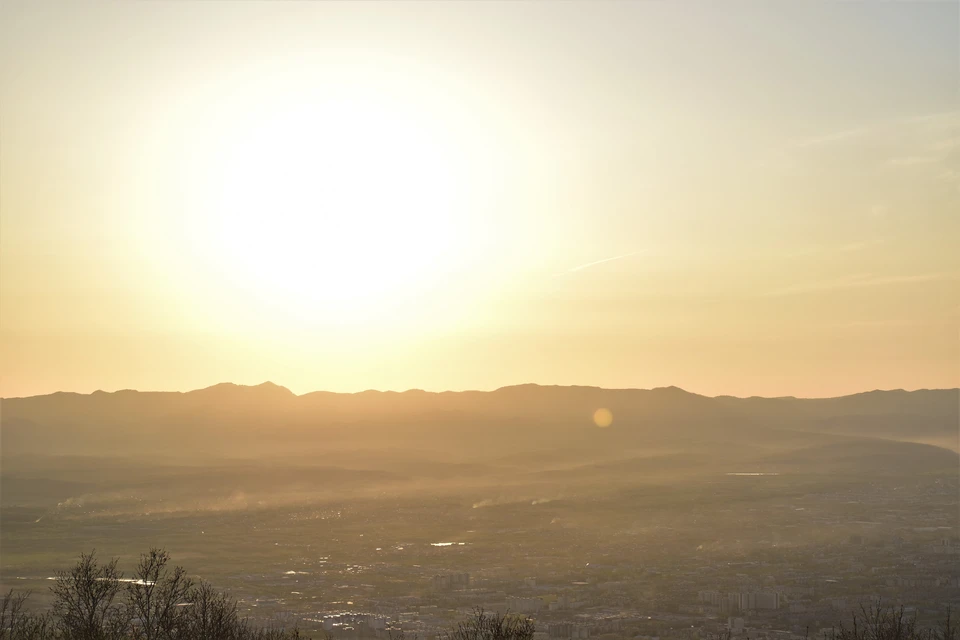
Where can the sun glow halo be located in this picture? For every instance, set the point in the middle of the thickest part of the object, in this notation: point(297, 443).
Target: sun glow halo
point(336, 205)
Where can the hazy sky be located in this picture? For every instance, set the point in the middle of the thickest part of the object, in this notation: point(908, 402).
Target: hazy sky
point(742, 198)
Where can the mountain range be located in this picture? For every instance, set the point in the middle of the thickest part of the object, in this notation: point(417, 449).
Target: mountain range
point(237, 420)
point(230, 445)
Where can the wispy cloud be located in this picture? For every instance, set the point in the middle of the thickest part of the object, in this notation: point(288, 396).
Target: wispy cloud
point(918, 145)
point(826, 249)
point(945, 144)
point(949, 175)
point(938, 150)
point(862, 280)
point(861, 245)
point(866, 324)
point(827, 138)
point(942, 118)
point(932, 124)
point(907, 161)
point(596, 262)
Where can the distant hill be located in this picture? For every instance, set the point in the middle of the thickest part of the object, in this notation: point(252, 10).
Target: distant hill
point(526, 419)
point(231, 446)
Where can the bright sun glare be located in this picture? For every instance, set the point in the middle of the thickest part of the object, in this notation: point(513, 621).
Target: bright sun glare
point(343, 205)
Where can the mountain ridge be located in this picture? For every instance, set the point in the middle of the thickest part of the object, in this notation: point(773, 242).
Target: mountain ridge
point(273, 387)
point(546, 425)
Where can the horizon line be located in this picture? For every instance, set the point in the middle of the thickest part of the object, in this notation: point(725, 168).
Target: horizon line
point(268, 383)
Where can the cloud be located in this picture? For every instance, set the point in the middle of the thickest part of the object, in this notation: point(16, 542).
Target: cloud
point(936, 133)
point(920, 146)
point(862, 280)
point(949, 175)
point(822, 249)
point(866, 324)
point(945, 144)
point(937, 150)
point(948, 119)
point(828, 138)
point(907, 161)
point(596, 262)
point(861, 245)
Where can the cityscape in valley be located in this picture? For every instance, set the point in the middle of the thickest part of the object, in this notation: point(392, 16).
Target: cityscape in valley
point(658, 525)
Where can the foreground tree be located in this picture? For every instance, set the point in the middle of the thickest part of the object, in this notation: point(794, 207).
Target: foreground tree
point(158, 597)
point(493, 626)
point(18, 624)
point(160, 602)
point(881, 622)
point(213, 615)
point(85, 601)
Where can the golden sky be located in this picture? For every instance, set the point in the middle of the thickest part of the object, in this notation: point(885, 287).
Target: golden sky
point(751, 198)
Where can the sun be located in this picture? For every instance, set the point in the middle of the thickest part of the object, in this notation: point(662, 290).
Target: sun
point(340, 206)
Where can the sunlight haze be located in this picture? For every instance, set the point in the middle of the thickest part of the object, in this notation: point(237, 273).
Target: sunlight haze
point(476, 320)
point(744, 199)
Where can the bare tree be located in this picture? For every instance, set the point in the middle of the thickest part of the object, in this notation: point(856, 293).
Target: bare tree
point(398, 634)
point(157, 596)
point(947, 630)
point(160, 603)
point(18, 624)
point(213, 615)
point(85, 601)
point(881, 622)
point(495, 626)
point(11, 613)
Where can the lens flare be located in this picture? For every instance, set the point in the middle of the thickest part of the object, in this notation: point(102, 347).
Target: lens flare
point(602, 417)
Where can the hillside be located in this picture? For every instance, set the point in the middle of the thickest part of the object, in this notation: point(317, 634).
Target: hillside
point(237, 420)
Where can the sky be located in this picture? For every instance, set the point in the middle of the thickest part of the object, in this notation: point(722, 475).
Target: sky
point(737, 198)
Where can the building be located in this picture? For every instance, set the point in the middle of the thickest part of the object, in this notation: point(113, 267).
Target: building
point(451, 581)
point(524, 605)
point(740, 601)
point(759, 600)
